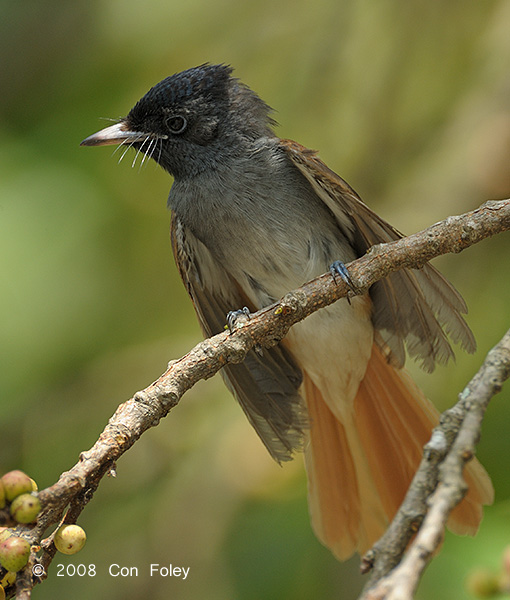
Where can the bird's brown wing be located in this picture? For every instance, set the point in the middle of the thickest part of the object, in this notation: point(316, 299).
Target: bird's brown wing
point(411, 306)
point(266, 385)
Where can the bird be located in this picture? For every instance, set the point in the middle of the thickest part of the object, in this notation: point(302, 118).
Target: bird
point(255, 216)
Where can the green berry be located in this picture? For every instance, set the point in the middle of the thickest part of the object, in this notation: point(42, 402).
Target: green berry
point(2, 494)
point(25, 508)
point(14, 553)
point(70, 539)
point(15, 484)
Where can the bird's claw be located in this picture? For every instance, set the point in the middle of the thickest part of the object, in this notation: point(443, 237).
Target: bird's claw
point(235, 315)
point(339, 269)
point(232, 320)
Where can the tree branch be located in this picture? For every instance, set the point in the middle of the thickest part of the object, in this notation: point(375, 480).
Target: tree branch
point(401, 583)
point(267, 327)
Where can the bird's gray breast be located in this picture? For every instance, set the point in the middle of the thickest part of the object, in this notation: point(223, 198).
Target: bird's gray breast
point(262, 221)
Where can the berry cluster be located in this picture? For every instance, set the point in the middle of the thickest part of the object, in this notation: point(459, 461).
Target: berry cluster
point(19, 499)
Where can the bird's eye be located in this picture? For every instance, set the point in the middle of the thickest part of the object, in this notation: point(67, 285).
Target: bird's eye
point(176, 124)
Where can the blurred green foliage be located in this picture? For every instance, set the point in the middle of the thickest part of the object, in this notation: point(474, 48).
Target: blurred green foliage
point(407, 100)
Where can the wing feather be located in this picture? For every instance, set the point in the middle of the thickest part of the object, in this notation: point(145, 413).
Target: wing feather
point(414, 307)
point(266, 386)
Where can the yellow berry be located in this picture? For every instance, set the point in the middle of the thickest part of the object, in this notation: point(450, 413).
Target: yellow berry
point(483, 583)
point(70, 539)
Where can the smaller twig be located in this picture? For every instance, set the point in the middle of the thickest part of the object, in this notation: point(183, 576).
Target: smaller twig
point(401, 583)
point(24, 582)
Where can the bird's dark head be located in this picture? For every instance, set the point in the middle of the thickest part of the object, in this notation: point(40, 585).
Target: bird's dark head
point(191, 121)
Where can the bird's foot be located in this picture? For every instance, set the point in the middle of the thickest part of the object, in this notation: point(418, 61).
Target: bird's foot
point(339, 269)
point(234, 317)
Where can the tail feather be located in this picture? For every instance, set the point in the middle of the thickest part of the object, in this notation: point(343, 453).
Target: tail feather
point(394, 421)
point(359, 472)
point(335, 509)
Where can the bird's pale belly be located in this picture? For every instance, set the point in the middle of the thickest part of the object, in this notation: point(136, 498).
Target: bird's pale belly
point(334, 345)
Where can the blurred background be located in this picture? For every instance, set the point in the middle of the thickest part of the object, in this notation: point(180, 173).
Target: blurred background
point(409, 101)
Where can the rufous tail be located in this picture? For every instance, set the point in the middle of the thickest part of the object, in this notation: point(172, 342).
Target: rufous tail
point(359, 471)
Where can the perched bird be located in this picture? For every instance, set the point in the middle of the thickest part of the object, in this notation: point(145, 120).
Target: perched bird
point(255, 216)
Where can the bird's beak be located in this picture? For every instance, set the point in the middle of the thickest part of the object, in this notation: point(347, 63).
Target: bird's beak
point(115, 134)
